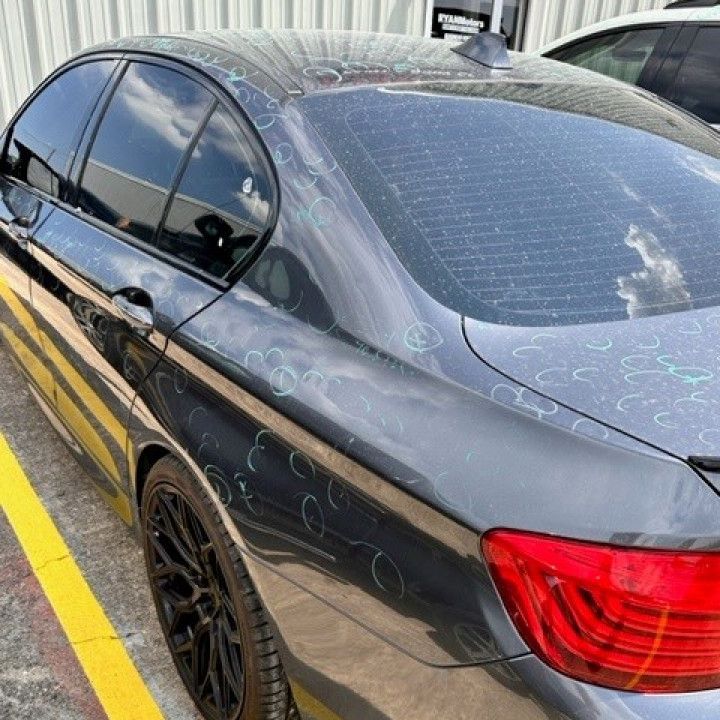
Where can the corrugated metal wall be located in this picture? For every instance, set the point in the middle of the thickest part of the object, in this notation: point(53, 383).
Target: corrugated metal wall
point(37, 35)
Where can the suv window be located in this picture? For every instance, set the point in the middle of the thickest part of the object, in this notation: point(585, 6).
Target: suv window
point(222, 203)
point(697, 86)
point(621, 55)
point(137, 150)
point(43, 141)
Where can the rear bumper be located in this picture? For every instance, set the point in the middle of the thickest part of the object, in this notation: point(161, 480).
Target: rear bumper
point(339, 669)
point(566, 699)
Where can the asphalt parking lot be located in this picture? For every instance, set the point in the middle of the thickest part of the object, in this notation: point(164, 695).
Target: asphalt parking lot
point(41, 676)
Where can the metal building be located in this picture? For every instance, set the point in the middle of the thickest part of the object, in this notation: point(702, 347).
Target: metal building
point(36, 35)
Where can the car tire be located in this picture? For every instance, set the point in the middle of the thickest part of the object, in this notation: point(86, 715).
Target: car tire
point(209, 611)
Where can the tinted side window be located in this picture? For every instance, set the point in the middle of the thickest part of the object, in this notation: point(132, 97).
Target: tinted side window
point(142, 137)
point(222, 203)
point(697, 87)
point(43, 140)
point(620, 55)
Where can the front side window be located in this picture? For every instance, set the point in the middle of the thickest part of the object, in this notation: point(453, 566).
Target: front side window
point(222, 203)
point(620, 55)
point(697, 87)
point(43, 140)
point(140, 142)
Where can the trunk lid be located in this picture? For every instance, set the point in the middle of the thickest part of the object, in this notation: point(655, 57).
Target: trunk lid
point(655, 378)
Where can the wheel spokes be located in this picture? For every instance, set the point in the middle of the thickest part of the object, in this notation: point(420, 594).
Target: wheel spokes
point(179, 558)
point(199, 648)
point(175, 531)
point(229, 644)
point(199, 616)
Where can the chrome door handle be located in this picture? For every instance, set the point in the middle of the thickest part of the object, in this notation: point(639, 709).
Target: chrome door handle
point(138, 317)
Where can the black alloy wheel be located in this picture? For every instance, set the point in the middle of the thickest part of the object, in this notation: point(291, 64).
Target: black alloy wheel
point(209, 611)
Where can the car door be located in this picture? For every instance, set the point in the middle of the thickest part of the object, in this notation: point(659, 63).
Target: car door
point(17, 325)
point(696, 82)
point(628, 54)
point(36, 158)
point(106, 297)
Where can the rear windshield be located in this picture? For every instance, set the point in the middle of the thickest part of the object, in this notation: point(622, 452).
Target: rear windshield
point(535, 204)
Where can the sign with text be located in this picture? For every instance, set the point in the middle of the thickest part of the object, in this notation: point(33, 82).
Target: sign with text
point(456, 20)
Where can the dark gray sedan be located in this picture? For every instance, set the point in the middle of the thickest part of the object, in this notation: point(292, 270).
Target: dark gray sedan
point(405, 368)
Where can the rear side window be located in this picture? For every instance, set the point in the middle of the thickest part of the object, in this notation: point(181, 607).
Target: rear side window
point(43, 140)
point(620, 55)
point(221, 206)
point(697, 87)
point(146, 130)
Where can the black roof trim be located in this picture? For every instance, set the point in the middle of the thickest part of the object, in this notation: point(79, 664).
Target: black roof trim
point(691, 4)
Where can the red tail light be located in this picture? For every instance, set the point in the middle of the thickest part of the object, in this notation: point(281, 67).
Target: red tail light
point(627, 618)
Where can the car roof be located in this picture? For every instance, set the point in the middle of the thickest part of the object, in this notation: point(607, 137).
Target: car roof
point(648, 17)
point(306, 61)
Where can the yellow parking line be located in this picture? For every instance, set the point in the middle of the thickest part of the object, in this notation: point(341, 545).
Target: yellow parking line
point(310, 704)
point(102, 655)
point(91, 399)
point(20, 312)
point(90, 439)
point(88, 396)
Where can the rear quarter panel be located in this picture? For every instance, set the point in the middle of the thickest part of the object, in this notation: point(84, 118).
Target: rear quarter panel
point(360, 447)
